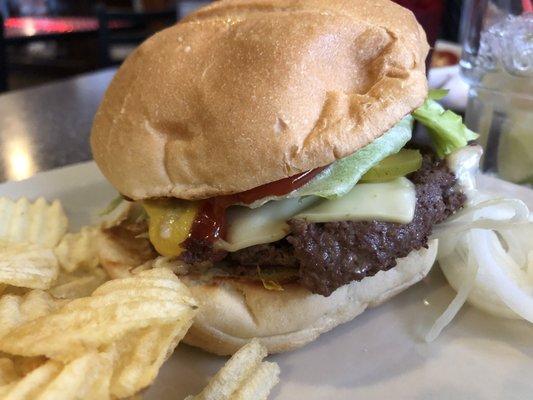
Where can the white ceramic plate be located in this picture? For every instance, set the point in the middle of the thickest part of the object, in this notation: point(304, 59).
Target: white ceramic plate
point(379, 355)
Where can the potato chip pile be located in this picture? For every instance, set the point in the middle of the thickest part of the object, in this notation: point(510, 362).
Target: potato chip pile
point(78, 325)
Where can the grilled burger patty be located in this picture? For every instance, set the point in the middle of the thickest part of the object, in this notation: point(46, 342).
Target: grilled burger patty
point(330, 255)
point(333, 254)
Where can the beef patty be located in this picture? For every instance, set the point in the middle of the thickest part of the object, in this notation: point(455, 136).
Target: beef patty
point(330, 255)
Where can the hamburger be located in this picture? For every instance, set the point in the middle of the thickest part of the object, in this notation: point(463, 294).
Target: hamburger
point(266, 144)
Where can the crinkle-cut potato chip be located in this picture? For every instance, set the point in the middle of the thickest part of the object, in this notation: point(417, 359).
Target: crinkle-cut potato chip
point(115, 309)
point(16, 291)
point(28, 266)
point(32, 384)
point(86, 377)
point(139, 356)
point(79, 250)
point(175, 265)
point(17, 310)
point(231, 376)
point(121, 250)
point(243, 377)
point(117, 270)
point(40, 222)
point(258, 385)
point(8, 373)
point(133, 324)
point(76, 285)
point(24, 365)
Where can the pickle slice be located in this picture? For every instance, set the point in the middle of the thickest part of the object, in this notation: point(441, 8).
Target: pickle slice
point(400, 164)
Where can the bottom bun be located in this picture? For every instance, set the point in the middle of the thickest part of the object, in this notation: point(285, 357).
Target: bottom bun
point(232, 312)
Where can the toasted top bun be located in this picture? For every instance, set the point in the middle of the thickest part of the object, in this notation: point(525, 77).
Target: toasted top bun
point(232, 312)
point(246, 92)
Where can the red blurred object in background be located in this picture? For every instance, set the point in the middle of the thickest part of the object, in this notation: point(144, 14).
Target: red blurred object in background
point(31, 26)
point(48, 25)
point(429, 15)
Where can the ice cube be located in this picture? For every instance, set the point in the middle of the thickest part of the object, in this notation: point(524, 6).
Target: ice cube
point(508, 44)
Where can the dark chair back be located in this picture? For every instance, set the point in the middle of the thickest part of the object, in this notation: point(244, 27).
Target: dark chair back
point(138, 28)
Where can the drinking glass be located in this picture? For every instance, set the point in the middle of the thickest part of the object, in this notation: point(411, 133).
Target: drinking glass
point(497, 63)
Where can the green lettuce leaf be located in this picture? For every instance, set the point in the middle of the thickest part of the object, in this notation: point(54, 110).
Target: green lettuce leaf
point(437, 94)
point(446, 128)
point(341, 176)
point(113, 204)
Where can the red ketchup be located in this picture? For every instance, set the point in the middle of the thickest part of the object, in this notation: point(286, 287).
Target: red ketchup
point(210, 222)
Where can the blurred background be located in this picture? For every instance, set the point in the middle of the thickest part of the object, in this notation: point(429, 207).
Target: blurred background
point(57, 58)
point(45, 40)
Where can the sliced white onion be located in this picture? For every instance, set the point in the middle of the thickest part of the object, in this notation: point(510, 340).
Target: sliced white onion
point(462, 294)
point(486, 214)
point(495, 214)
point(509, 281)
point(486, 254)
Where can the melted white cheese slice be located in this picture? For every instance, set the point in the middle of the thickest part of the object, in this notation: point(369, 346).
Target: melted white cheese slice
point(250, 226)
point(392, 201)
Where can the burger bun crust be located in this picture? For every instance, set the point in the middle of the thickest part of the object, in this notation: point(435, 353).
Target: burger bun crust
point(246, 92)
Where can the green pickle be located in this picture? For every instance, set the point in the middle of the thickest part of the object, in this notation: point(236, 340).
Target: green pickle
point(400, 164)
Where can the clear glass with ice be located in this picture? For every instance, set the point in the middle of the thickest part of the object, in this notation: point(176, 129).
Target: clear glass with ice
point(497, 62)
